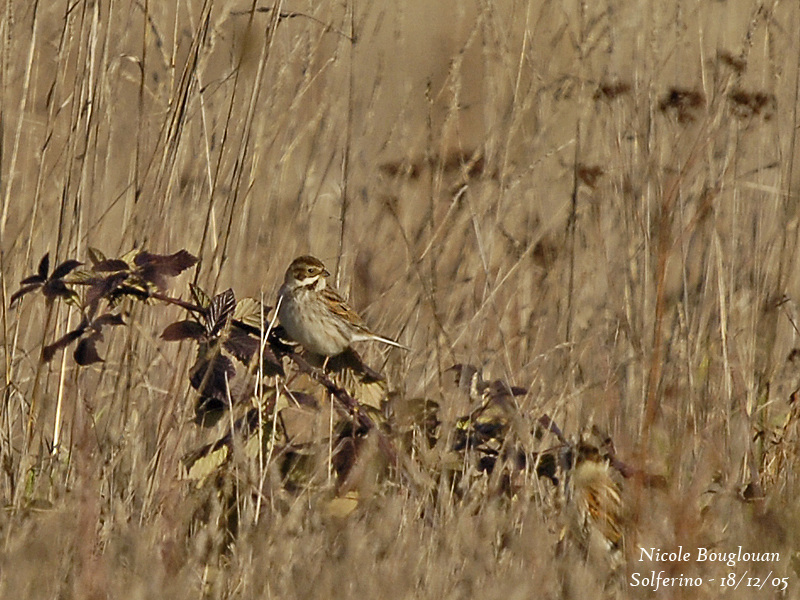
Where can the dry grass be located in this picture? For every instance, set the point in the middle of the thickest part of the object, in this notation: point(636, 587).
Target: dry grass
point(596, 202)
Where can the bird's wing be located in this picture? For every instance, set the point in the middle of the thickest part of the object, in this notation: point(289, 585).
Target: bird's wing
point(340, 308)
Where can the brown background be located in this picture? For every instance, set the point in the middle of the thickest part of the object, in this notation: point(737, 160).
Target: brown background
point(139, 124)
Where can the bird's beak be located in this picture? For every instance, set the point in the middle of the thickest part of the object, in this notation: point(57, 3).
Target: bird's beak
point(325, 273)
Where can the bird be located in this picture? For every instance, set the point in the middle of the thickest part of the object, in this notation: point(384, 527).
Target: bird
point(597, 506)
point(314, 314)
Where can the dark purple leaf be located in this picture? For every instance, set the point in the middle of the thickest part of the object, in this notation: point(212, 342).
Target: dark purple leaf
point(65, 268)
point(217, 315)
point(280, 341)
point(108, 319)
point(151, 275)
point(183, 330)
point(111, 265)
point(22, 291)
point(155, 268)
point(103, 286)
point(126, 289)
point(33, 279)
point(351, 360)
point(303, 399)
point(86, 352)
point(244, 347)
point(241, 345)
point(270, 364)
point(49, 351)
point(169, 265)
point(55, 288)
point(44, 267)
point(91, 311)
point(208, 411)
point(211, 376)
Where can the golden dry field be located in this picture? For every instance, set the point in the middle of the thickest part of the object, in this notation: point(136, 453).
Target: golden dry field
point(593, 204)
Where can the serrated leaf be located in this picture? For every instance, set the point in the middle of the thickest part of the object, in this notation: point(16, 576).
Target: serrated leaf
point(241, 345)
point(49, 351)
point(155, 268)
point(182, 330)
point(152, 279)
point(166, 264)
point(219, 312)
point(65, 268)
point(200, 298)
point(252, 312)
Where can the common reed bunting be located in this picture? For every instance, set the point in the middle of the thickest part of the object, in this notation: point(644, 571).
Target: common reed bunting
point(315, 315)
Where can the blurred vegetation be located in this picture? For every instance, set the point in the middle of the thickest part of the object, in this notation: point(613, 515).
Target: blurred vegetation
point(582, 218)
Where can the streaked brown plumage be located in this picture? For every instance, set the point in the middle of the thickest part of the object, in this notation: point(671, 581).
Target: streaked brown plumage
point(596, 501)
point(315, 315)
